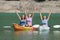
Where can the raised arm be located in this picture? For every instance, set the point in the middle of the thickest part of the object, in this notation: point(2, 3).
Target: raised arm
point(26, 14)
point(49, 15)
point(18, 14)
point(40, 15)
point(32, 14)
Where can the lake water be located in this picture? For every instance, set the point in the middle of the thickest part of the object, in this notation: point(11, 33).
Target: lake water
point(6, 34)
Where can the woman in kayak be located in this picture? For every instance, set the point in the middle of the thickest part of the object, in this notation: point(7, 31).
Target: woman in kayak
point(45, 19)
point(22, 19)
point(29, 19)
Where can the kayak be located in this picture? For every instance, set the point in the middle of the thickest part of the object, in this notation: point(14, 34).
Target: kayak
point(44, 27)
point(56, 26)
point(22, 28)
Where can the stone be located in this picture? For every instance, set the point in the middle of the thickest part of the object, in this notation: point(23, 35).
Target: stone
point(30, 6)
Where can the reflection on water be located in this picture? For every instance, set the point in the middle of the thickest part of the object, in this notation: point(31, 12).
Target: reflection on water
point(29, 35)
point(56, 35)
point(56, 32)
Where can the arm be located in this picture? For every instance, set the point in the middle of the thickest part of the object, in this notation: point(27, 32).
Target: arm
point(49, 15)
point(32, 15)
point(18, 15)
point(26, 14)
point(40, 16)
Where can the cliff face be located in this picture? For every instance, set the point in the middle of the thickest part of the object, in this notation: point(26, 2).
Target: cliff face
point(29, 6)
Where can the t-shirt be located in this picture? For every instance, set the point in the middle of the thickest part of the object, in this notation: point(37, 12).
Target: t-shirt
point(29, 21)
point(45, 22)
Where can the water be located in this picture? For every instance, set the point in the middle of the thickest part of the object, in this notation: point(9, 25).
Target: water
point(6, 34)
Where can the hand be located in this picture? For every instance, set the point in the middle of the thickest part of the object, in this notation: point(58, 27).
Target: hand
point(17, 11)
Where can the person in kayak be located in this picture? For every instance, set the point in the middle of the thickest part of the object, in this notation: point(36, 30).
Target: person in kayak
point(29, 19)
point(22, 19)
point(45, 19)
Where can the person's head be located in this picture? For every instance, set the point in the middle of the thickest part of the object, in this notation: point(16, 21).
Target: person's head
point(30, 15)
point(23, 17)
point(44, 17)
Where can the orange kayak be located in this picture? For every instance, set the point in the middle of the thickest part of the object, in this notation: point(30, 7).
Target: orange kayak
point(22, 28)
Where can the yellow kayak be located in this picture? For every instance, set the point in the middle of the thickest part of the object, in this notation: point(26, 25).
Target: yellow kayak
point(22, 28)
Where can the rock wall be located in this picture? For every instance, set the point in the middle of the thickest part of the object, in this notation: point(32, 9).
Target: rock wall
point(30, 6)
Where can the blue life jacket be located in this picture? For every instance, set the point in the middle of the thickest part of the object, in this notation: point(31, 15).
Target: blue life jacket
point(22, 22)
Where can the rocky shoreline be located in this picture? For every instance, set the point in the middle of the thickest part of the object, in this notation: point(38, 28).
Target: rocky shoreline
point(11, 6)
